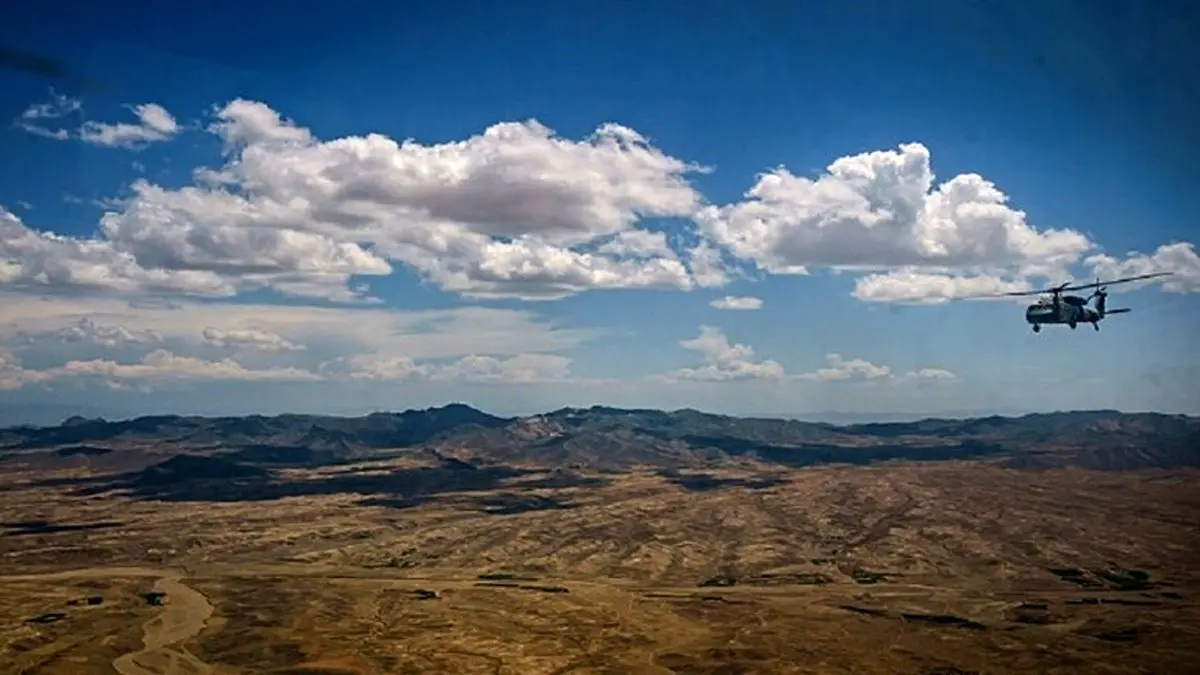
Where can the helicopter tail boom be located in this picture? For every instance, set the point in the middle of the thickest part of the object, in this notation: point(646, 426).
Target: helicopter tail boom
point(1118, 311)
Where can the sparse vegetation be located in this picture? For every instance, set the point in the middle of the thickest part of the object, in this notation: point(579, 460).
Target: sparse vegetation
point(862, 576)
point(463, 549)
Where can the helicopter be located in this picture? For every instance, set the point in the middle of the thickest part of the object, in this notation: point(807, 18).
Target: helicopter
point(1073, 310)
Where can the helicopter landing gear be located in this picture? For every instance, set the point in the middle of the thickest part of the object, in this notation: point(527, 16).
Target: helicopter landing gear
point(1095, 325)
point(1037, 327)
point(1072, 324)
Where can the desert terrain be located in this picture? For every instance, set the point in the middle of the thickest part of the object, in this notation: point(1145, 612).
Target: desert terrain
point(600, 541)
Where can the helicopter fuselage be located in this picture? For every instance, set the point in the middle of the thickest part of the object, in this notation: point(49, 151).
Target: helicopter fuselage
point(1070, 310)
point(1056, 308)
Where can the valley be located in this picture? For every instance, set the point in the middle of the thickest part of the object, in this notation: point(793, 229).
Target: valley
point(600, 541)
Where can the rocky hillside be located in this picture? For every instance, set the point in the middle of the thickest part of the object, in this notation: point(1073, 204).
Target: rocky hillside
point(617, 439)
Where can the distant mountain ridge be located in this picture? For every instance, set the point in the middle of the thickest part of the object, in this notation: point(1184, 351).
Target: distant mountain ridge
point(604, 437)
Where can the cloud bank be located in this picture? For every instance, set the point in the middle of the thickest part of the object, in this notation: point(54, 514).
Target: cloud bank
point(159, 287)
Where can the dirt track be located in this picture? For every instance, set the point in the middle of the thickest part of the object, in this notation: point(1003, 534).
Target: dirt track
point(183, 616)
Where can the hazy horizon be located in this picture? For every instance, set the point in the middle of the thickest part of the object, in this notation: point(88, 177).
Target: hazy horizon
point(53, 416)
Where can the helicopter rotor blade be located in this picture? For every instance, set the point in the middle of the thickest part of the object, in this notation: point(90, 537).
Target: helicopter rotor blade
point(1012, 294)
point(1099, 284)
point(1067, 287)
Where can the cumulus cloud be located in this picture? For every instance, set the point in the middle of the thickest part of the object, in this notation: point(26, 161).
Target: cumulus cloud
point(639, 244)
point(10, 371)
point(35, 118)
point(517, 211)
point(708, 266)
point(840, 369)
point(1179, 259)
point(57, 107)
point(249, 338)
point(209, 263)
point(425, 334)
point(519, 369)
point(724, 361)
point(162, 365)
point(883, 210)
point(910, 285)
point(935, 374)
point(32, 258)
point(514, 211)
point(743, 303)
point(280, 343)
point(157, 366)
point(154, 124)
point(89, 331)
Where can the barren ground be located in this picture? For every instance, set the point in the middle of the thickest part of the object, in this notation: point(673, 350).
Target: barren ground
point(934, 568)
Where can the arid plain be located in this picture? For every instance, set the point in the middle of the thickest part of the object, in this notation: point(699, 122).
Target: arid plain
point(122, 557)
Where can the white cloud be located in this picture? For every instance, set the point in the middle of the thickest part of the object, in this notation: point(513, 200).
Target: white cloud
point(936, 374)
point(743, 303)
point(162, 365)
point(281, 343)
point(249, 338)
point(882, 209)
point(840, 369)
point(518, 211)
point(87, 330)
point(10, 371)
point(33, 119)
point(215, 263)
point(159, 365)
point(515, 211)
point(24, 205)
point(154, 125)
point(57, 107)
point(1179, 259)
point(426, 334)
point(31, 258)
point(723, 361)
point(910, 285)
point(38, 130)
point(520, 369)
point(708, 266)
point(638, 244)
point(509, 212)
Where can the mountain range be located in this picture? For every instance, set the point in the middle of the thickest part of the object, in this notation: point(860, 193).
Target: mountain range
point(613, 439)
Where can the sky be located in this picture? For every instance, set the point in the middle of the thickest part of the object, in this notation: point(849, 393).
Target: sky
point(751, 208)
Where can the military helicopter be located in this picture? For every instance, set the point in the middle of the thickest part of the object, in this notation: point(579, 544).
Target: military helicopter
point(1073, 310)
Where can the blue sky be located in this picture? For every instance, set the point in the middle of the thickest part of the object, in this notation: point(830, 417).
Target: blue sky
point(905, 155)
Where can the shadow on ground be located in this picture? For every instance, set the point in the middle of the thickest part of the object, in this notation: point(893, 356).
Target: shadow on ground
point(185, 478)
point(25, 528)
